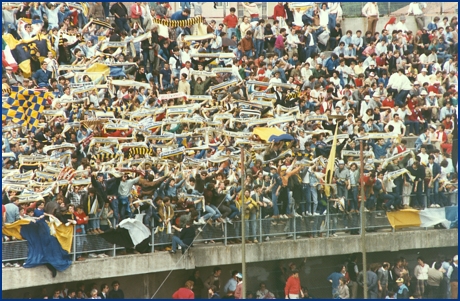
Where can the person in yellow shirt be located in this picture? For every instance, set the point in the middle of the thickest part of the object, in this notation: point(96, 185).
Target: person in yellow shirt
point(250, 214)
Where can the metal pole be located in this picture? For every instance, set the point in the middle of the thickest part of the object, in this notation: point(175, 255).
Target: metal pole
point(363, 218)
point(442, 7)
point(74, 247)
point(243, 226)
point(153, 239)
point(260, 226)
point(389, 8)
point(225, 9)
point(225, 234)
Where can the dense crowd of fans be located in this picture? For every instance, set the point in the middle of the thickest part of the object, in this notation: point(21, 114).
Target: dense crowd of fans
point(298, 73)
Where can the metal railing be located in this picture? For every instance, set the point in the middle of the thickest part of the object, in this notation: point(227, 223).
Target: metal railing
point(260, 228)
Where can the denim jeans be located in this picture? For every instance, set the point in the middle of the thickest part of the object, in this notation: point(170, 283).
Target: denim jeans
point(259, 45)
point(354, 198)
point(309, 50)
point(116, 215)
point(94, 220)
point(251, 225)
point(342, 191)
point(177, 241)
point(80, 239)
point(305, 204)
point(248, 53)
point(276, 211)
point(332, 21)
point(122, 24)
point(212, 212)
point(433, 193)
point(279, 52)
point(230, 32)
point(125, 210)
point(390, 199)
point(185, 5)
point(235, 211)
point(106, 6)
point(400, 98)
point(314, 198)
point(413, 127)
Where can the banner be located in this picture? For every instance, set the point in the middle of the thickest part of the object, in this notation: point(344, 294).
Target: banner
point(172, 153)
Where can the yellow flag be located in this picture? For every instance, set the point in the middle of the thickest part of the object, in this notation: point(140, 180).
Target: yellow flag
point(330, 164)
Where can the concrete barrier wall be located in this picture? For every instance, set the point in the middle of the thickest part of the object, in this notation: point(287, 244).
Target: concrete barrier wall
point(205, 256)
point(313, 274)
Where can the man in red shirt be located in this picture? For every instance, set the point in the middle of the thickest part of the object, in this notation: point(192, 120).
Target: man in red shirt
point(279, 11)
point(231, 21)
point(185, 292)
point(435, 88)
point(292, 290)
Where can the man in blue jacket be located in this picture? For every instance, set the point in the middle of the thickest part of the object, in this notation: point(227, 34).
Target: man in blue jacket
point(180, 16)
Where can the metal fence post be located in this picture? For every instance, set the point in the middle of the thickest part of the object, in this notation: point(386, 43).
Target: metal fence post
point(260, 225)
point(153, 239)
point(74, 247)
point(294, 230)
point(225, 234)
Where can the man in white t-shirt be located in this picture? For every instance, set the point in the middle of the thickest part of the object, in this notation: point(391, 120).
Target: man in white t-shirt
point(398, 126)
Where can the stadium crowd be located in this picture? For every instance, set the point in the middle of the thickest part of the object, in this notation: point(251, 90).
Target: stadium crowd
point(161, 133)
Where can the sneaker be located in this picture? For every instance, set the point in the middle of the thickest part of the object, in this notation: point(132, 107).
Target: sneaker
point(366, 210)
point(229, 221)
point(267, 238)
point(16, 265)
point(324, 212)
point(304, 214)
point(8, 265)
point(179, 247)
point(199, 229)
point(255, 241)
point(289, 236)
point(172, 252)
point(92, 255)
point(101, 255)
point(335, 235)
point(285, 216)
point(316, 213)
point(3, 265)
point(202, 221)
point(297, 215)
point(274, 223)
point(196, 223)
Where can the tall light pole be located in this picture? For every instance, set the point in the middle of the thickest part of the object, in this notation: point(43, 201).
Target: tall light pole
point(363, 218)
point(243, 226)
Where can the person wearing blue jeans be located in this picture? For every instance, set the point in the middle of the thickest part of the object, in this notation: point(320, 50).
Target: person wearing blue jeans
point(122, 24)
point(184, 5)
point(276, 185)
point(124, 190)
point(184, 239)
point(211, 213)
point(305, 205)
point(115, 208)
point(125, 210)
